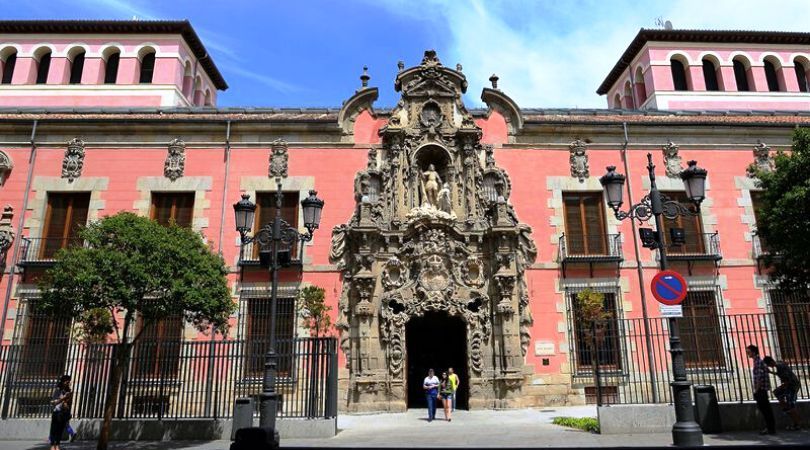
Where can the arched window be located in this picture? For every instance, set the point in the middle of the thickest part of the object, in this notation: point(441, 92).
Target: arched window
point(641, 88)
point(8, 68)
point(678, 75)
point(710, 76)
point(770, 76)
point(628, 96)
point(147, 67)
point(76, 68)
point(801, 75)
point(207, 98)
point(617, 102)
point(111, 68)
point(741, 75)
point(44, 67)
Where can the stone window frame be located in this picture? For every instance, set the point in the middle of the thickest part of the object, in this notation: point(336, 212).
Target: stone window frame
point(718, 285)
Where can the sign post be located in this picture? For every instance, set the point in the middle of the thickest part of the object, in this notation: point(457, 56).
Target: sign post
point(669, 288)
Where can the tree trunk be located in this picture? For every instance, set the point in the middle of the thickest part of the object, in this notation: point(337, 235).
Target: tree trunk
point(121, 359)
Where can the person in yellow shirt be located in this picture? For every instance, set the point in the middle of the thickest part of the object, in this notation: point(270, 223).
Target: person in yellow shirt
point(454, 384)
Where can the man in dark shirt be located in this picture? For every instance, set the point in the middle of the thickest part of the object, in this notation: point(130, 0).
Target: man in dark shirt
point(787, 392)
point(762, 384)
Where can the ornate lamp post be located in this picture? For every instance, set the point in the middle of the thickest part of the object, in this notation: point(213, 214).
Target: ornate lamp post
point(686, 431)
point(274, 238)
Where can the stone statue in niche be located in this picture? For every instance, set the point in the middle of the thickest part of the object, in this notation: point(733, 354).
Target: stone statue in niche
point(431, 180)
point(445, 203)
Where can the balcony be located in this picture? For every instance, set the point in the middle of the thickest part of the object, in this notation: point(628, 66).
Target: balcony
point(42, 251)
point(590, 249)
point(250, 256)
point(705, 248)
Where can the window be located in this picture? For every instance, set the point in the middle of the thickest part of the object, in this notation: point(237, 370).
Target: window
point(617, 102)
point(692, 227)
point(147, 67)
point(8, 68)
point(801, 75)
point(791, 313)
point(756, 203)
point(77, 68)
point(257, 334)
point(157, 352)
point(177, 207)
point(608, 350)
point(770, 76)
point(628, 96)
point(266, 212)
point(740, 75)
point(43, 68)
point(66, 212)
point(710, 76)
point(678, 75)
point(47, 341)
point(700, 330)
point(641, 88)
point(585, 223)
point(111, 68)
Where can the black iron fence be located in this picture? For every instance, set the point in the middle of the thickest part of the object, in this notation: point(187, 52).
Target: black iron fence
point(43, 250)
point(634, 363)
point(167, 380)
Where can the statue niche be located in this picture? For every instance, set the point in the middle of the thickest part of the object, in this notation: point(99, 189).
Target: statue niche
point(433, 232)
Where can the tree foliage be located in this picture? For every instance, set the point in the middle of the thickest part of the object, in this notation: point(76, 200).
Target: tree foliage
point(784, 219)
point(590, 307)
point(132, 268)
point(314, 310)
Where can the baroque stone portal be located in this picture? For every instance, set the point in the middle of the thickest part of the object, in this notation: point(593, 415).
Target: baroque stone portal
point(433, 231)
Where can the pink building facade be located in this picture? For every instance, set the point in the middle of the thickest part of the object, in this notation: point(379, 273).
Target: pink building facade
point(553, 159)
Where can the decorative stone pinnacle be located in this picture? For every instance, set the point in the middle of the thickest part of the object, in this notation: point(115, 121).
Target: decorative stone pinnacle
point(364, 77)
point(494, 80)
point(401, 65)
point(458, 67)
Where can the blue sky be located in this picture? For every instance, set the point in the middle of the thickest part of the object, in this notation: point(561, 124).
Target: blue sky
point(305, 53)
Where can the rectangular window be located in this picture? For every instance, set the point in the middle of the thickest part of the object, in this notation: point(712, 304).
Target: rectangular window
point(791, 313)
point(585, 223)
point(257, 334)
point(756, 203)
point(47, 341)
point(66, 212)
point(177, 207)
point(608, 350)
point(157, 352)
point(692, 227)
point(700, 330)
point(266, 213)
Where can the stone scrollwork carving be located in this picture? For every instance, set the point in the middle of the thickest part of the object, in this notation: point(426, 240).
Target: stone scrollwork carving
point(6, 165)
point(672, 160)
point(73, 162)
point(579, 160)
point(6, 231)
point(278, 159)
point(175, 164)
point(472, 271)
point(394, 274)
point(763, 160)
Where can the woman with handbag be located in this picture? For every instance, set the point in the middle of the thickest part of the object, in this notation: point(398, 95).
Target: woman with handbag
point(60, 400)
point(446, 395)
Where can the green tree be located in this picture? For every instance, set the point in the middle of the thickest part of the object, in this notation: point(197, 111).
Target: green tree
point(132, 267)
point(313, 309)
point(590, 312)
point(784, 219)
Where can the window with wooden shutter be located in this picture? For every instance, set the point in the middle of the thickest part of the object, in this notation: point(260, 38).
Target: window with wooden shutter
point(65, 214)
point(585, 223)
point(756, 203)
point(157, 352)
point(47, 341)
point(700, 330)
point(257, 334)
point(692, 227)
point(791, 313)
point(266, 213)
point(608, 350)
point(177, 207)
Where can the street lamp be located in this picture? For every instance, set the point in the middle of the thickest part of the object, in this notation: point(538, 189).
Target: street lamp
point(686, 431)
point(274, 238)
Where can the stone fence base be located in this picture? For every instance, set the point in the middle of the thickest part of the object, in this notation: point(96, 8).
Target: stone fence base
point(653, 418)
point(163, 430)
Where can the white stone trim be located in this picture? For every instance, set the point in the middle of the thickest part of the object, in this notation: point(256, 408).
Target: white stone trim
point(557, 185)
point(199, 185)
point(169, 94)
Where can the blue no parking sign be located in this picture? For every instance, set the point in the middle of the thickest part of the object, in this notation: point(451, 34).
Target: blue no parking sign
point(668, 287)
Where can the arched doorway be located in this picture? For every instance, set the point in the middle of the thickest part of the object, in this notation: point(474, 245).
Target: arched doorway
point(436, 341)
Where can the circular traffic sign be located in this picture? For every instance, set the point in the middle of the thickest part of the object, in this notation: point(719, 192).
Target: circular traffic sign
point(668, 287)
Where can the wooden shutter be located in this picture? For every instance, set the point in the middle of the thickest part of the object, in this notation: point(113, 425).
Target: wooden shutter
point(46, 345)
point(584, 223)
point(258, 333)
point(692, 227)
point(157, 353)
point(700, 330)
point(173, 206)
point(756, 203)
point(266, 213)
point(66, 212)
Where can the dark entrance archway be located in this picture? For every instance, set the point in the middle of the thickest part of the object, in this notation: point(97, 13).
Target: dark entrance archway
point(436, 341)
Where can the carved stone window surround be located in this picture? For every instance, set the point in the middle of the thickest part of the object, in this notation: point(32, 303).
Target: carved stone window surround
point(38, 203)
point(199, 185)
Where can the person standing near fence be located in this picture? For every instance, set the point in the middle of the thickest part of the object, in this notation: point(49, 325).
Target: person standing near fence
point(431, 387)
point(454, 383)
point(60, 401)
point(787, 392)
point(761, 383)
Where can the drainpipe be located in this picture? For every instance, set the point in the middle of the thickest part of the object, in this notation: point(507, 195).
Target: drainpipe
point(225, 184)
point(640, 270)
point(18, 241)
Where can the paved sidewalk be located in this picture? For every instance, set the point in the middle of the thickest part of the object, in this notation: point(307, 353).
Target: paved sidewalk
point(513, 428)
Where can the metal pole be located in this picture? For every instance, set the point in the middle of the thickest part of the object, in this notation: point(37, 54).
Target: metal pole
point(685, 431)
point(269, 396)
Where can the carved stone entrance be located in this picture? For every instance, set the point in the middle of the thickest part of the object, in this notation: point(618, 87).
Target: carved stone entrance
point(433, 231)
point(435, 341)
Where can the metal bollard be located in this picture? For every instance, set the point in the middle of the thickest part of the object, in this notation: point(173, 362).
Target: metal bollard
point(242, 415)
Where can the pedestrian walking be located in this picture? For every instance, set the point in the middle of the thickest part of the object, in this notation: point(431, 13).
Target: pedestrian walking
point(431, 387)
point(454, 382)
point(788, 390)
point(60, 401)
point(446, 392)
point(761, 383)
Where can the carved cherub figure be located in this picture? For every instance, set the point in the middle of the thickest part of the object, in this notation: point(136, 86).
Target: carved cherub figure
point(444, 199)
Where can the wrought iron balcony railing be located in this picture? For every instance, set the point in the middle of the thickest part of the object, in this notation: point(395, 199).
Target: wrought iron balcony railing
point(250, 254)
point(591, 247)
point(42, 251)
point(705, 247)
